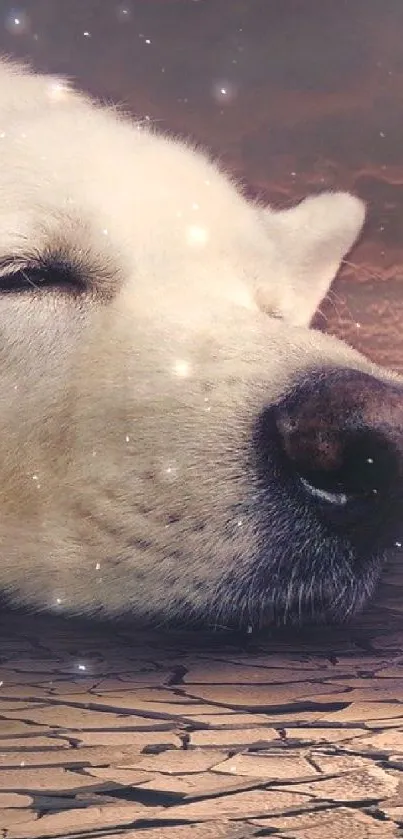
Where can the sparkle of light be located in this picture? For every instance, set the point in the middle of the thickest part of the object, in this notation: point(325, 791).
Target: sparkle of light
point(181, 368)
point(123, 13)
point(224, 91)
point(197, 235)
point(57, 90)
point(170, 472)
point(17, 22)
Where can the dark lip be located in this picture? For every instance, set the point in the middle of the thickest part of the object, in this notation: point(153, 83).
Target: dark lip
point(323, 496)
point(348, 514)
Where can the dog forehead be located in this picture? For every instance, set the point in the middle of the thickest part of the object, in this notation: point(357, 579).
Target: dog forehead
point(122, 181)
point(174, 227)
point(186, 240)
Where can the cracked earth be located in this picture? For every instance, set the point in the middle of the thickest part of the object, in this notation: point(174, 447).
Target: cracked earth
point(107, 735)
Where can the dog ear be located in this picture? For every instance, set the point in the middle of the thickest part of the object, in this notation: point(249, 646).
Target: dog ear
point(310, 241)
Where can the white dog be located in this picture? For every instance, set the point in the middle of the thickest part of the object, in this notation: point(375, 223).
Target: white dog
point(176, 443)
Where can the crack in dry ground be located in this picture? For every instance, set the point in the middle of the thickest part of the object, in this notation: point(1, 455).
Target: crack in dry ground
point(163, 736)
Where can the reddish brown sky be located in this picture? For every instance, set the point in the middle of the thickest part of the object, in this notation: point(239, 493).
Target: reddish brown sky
point(294, 95)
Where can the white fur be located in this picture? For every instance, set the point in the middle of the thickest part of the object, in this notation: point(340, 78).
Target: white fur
point(124, 415)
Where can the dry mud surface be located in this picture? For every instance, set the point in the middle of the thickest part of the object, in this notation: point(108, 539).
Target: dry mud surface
point(114, 734)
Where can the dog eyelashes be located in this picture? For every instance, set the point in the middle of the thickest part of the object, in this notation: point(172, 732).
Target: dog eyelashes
point(24, 280)
point(17, 279)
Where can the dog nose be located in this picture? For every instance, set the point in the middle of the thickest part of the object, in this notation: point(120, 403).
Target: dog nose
point(342, 434)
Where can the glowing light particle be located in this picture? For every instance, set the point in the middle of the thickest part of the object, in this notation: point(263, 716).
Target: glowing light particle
point(58, 90)
point(170, 472)
point(123, 13)
point(224, 91)
point(181, 368)
point(17, 22)
point(196, 235)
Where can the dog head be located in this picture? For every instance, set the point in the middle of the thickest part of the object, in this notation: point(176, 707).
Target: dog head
point(177, 444)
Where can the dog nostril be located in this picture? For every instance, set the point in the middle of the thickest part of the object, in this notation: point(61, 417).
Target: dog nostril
point(339, 462)
point(342, 435)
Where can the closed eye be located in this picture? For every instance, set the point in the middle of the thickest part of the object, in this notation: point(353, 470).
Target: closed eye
point(17, 277)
